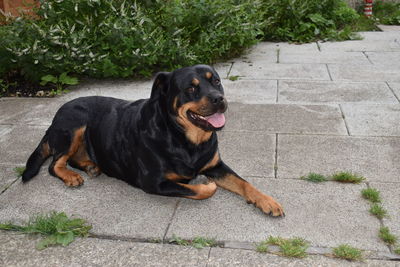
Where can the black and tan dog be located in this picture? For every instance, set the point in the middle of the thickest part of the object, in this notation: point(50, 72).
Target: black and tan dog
point(157, 144)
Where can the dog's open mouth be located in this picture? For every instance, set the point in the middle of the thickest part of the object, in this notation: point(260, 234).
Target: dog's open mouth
point(212, 122)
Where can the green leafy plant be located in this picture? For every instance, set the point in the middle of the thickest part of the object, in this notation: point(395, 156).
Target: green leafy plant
point(347, 252)
point(293, 247)
point(58, 228)
point(233, 78)
point(314, 177)
point(386, 236)
point(59, 82)
point(308, 20)
point(387, 12)
point(371, 194)
point(197, 242)
point(378, 211)
point(19, 171)
point(347, 177)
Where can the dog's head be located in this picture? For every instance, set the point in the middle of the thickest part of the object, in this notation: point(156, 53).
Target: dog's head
point(195, 96)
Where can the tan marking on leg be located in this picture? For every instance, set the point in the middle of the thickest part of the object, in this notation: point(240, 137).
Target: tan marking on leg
point(202, 191)
point(239, 186)
point(195, 82)
point(208, 75)
point(214, 161)
point(192, 132)
point(81, 158)
point(172, 176)
point(46, 150)
point(69, 177)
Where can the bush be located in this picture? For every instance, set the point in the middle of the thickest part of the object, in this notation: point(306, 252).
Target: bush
point(308, 20)
point(121, 38)
point(387, 12)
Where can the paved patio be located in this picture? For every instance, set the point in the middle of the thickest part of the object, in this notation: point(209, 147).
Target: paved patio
point(319, 107)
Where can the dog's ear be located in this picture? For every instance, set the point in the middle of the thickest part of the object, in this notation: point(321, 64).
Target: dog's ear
point(160, 85)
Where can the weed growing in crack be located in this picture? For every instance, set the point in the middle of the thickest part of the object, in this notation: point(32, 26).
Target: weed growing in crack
point(347, 252)
point(56, 226)
point(387, 236)
point(314, 177)
point(197, 242)
point(378, 211)
point(293, 247)
point(371, 194)
point(347, 177)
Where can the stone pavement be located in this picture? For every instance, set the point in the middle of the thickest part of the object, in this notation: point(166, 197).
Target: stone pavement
point(319, 107)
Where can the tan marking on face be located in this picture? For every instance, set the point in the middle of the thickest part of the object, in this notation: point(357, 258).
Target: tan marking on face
point(192, 132)
point(202, 191)
point(195, 82)
point(172, 176)
point(239, 186)
point(214, 161)
point(208, 75)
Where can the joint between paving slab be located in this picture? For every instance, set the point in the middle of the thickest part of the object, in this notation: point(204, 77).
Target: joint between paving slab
point(364, 53)
point(327, 68)
point(278, 51)
point(229, 71)
point(208, 256)
point(170, 221)
point(276, 157)
point(391, 89)
point(9, 186)
point(344, 119)
point(277, 91)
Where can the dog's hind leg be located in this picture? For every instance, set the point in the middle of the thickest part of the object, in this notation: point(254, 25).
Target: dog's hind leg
point(58, 167)
point(80, 160)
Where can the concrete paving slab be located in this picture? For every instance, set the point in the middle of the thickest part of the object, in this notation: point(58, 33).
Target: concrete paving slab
point(124, 89)
point(365, 73)
point(18, 142)
point(389, 28)
point(268, 47)
point(19, 250)
point(28, 111)
point(323, 57)
point(113, 207)
point(266, 70)
point(386, 59)
point(376, 158)
point(325, 214)
point(334, 92)
point(374, 120)
point(390, 193)
point(235, 257)
point(380, 36)
point(283, 118)
point(7, 177)
point(396, 89)
point(270, 54)
point(248, 153)
point(372, 42)
point(223, 69)
point(251, 91)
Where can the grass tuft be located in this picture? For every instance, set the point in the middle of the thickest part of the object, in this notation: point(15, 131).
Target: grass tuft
point(233, 78)
point(347, 252)
point(293, 247)
point(378, 211)
point(19, 171)
point(371, 194)
point(386, 236)
point(314, 177)
point(397, 250)
point(59, 229)
point(347, 177)
point(197, 242)
point(262, 247)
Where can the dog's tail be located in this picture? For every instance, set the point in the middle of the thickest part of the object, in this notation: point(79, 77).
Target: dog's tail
point(36, 160)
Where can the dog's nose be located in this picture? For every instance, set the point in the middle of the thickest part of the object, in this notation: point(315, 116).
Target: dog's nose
point(216, 100)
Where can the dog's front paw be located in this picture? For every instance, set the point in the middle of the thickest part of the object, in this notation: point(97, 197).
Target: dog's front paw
point(269, 206)
point(73, 180)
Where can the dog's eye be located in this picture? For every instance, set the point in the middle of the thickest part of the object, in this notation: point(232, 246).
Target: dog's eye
point(217, 82)
point(191, 90)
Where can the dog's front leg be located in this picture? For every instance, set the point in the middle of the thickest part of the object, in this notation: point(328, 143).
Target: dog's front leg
point(224, 177)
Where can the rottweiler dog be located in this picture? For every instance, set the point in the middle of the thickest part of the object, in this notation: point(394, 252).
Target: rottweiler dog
point(157, 144)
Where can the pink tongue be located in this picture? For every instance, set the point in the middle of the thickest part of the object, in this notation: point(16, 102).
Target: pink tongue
point(217, 120)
